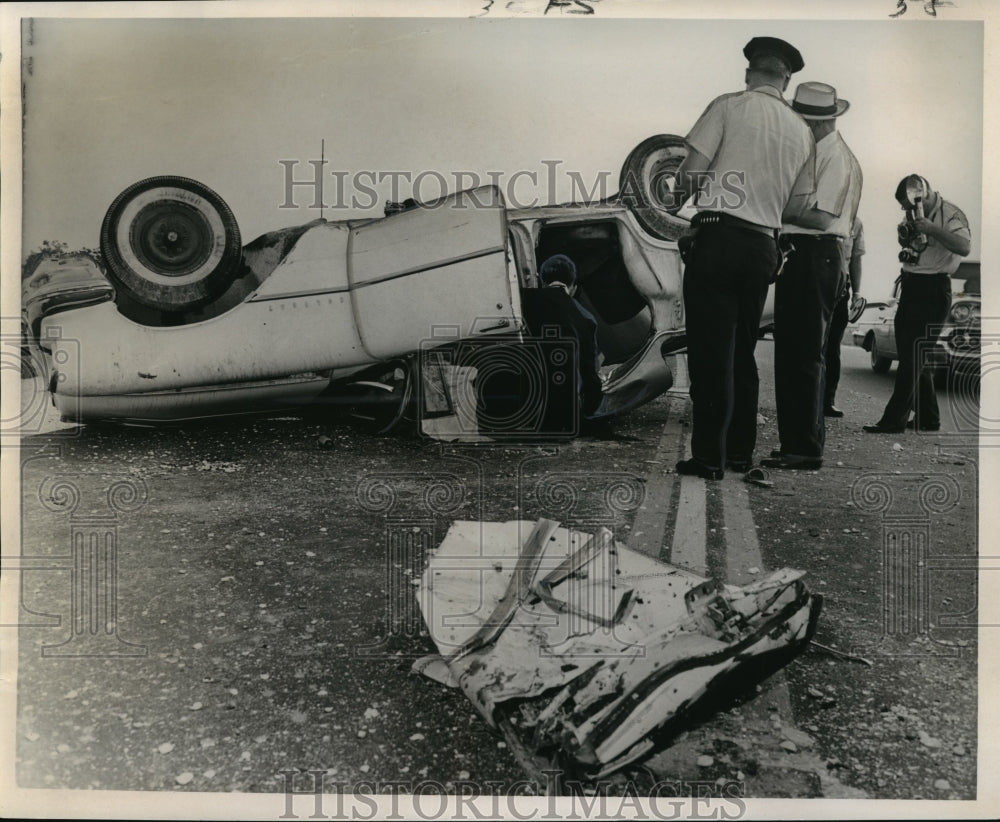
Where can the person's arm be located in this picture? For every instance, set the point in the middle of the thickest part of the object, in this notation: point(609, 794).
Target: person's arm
point(854, 272)
point(955, 241)
point(803, 188)
point(811, 218)
point(857, 252)
point(690, 175)
point(702, 144)
point(832, 185)
point(794, 208)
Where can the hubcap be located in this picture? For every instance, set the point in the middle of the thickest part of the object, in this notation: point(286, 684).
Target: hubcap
point(171, 238)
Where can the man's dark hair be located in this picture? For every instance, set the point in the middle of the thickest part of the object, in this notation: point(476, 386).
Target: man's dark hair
point(911, 181)
point(558, 269)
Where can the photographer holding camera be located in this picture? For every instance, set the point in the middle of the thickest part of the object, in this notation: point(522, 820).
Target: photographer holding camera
point(935, 236)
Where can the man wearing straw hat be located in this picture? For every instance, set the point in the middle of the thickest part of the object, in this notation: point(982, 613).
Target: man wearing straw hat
point(811, 281)
point(749, 156)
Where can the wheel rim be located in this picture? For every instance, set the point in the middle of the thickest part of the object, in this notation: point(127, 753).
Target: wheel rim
point(662, 180)
point(171, 238)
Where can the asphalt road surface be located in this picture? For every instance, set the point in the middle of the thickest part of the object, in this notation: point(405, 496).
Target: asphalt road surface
point(264, 616)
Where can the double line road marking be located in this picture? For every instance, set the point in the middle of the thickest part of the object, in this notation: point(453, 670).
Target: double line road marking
point(676, 527)
point(681, 523)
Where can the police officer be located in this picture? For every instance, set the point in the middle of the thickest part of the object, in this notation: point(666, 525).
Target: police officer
point(811, 281)
point(750, 158)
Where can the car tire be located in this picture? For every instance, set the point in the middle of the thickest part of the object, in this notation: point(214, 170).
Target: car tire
point(170, 243)
point(646, 184)
point(880, 364)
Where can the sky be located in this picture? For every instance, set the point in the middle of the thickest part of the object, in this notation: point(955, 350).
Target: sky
point(109, 102)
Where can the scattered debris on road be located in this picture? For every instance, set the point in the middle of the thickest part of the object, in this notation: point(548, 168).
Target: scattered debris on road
point(826, 649)
point(578, 649)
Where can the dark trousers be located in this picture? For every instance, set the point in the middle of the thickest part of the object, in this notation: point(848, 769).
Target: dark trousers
point(804, 298)
point(924, 302)
point(838, 325)
point(725, 284)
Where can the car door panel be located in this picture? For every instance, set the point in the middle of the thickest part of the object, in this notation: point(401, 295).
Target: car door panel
point(438, 266)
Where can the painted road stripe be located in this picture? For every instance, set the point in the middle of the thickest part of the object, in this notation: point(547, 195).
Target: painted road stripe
point(655, 515)
point(688, 548)
point(744, 564)
point(742, 548)
point(770, 713)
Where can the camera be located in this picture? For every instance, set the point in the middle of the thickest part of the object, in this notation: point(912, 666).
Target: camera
point(910, 237)
point(507, 388)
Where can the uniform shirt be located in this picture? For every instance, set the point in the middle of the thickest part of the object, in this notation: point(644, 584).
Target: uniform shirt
point(760, 152)
point(936, 259)
point(838, 187)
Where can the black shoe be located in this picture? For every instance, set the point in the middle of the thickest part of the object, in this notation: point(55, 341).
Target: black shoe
point(881, 429)
point(740, 464)
point(696, 468)
point(794, 463)
point(831, 410)
point(912, 426)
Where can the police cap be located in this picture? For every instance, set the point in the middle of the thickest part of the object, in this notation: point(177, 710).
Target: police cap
point(779, 48)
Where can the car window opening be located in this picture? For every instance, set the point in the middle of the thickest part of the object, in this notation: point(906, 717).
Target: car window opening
point(604, 287)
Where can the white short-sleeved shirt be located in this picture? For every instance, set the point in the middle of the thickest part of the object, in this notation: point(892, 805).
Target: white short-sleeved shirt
point(761, 153)
point(838, 187)
point(936, 259)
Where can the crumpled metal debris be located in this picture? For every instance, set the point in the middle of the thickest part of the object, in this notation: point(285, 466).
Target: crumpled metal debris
point(586, 647)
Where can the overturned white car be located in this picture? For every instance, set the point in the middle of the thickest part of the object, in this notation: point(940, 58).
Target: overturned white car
point(176, 319)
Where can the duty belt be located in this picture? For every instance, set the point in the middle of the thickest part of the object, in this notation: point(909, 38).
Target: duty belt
point(703, 218)
point(796, 236)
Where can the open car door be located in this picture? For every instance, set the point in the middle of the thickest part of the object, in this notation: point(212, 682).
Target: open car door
point(438, 270)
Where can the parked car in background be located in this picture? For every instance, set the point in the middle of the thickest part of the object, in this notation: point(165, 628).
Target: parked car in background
point(958, 344)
